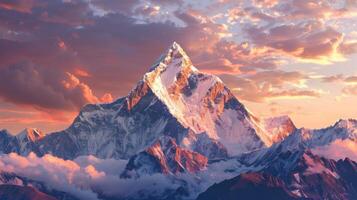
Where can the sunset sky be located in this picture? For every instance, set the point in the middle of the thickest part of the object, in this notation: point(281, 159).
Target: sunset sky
point(280, 57)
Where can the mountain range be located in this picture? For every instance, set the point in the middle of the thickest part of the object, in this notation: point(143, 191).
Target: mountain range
point(178, 120)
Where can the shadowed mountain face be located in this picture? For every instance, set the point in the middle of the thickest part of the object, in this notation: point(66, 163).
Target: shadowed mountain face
point(15, 192)
point(250, 186)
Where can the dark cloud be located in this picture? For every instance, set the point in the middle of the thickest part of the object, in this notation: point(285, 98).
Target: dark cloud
point(303, 41)
point(44, 88)
point(123, 6)
point(114, 47)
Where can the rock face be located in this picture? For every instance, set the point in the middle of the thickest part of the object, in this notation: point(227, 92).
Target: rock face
point(252, 186)
point(15, 192)
point(279, 128)
point(301, 172)
point(304, 173)
point(13, 187)
point(311, 176)
point(166, 157)
point(308, 138)
point(173, 99)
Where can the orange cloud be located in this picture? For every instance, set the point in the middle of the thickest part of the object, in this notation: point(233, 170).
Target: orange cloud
point(81, 72)
point(45, 89)
point(219, 66)
point(266, 3)
point(106, 98)
point(266, 85)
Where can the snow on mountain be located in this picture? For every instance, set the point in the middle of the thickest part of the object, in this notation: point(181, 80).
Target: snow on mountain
point(279, 128)
point(27, 139)
point(5, 141)
point(30, 134)
point(312, 138)
point(22, 143)
point(307, 139)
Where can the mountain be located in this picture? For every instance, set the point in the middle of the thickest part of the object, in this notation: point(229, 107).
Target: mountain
point(279, 127)
point(166, 157)
point(15, 192)
point(13, 187)
point(27, 139)
point(291, 175)
point(252, 186)
point(22, 143)
point(173, 99)
point(306, 139)
point(305, 173)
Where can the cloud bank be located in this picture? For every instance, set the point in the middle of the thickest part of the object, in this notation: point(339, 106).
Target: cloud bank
point(339, 149)
point(88, 177)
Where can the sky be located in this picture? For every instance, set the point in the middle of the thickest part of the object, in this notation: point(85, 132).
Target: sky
point(279, 57)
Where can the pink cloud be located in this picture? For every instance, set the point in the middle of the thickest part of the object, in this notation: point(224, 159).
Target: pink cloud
point(339, 149)
point(18, 5)
point(266, 85)
point(350, 90)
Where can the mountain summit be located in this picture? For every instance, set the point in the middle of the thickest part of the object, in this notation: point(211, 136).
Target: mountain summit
point(200, 102)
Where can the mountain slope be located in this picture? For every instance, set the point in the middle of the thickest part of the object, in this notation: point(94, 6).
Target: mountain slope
point(252, 186)
point(15, 192)
point(297, 174)
point(13, 186)
point(278, 128)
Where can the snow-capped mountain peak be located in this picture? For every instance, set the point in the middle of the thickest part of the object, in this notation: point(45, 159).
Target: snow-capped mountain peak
point(279, 127)
point(174, 53)
point(199, 101)
point(173, 68)
point(346, 123)
point(30, 134)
